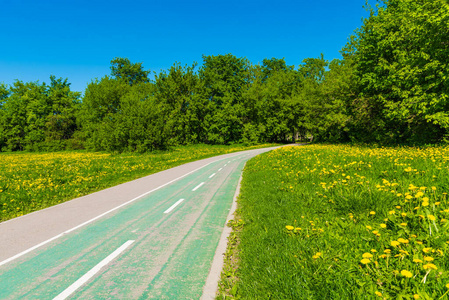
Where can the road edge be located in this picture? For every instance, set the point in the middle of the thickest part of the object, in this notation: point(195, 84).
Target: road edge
point(211, 286)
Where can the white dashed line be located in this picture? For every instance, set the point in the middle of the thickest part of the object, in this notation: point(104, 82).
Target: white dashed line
point(173, 206)
point(198, 186)
point(77, 284)
point(212, 175)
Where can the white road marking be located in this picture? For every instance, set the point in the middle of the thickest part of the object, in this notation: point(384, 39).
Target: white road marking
point(77, 284)
point(220, 169)
point(198, 186)
point(212, 175)
point(229, 162)
point(173, 206)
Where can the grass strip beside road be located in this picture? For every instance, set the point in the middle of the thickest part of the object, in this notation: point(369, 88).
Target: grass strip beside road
point(341, 222)
point(33, 181)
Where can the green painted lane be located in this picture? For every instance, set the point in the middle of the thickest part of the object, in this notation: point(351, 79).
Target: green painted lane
point(170, 255)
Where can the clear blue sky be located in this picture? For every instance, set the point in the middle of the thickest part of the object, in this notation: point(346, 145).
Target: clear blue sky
point(77, 39)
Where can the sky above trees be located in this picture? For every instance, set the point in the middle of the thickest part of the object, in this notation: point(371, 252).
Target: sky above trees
point(77, 39)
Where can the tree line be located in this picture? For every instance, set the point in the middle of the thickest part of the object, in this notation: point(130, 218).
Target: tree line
point(391, 86)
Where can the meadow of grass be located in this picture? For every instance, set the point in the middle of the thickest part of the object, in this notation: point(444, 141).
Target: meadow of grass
point(33, 181)
point(341, 222)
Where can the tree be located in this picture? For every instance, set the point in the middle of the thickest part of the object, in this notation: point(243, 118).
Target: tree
point(131, 73)
point(223, 80)
point(401, 55)
point(60, 123)
point(183, 111)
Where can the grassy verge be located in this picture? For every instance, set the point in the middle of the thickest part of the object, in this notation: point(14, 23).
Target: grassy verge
point(33, 181)
point(342, 222)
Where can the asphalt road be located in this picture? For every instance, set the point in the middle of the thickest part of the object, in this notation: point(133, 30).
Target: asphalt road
point(152, 238)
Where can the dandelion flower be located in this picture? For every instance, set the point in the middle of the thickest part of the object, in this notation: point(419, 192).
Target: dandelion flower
point(415, 296)
point(378, 293)
point(403, 241)
point(417, 260)
point(431, 217)
point(365, 261)
point(387, 250)
point(383, 225)
point(395, 243)
point(425, 204)
point(367, 255)
point(429, 266)
point(289, 227)
point(372, 212)
point(426, 250)
point(406, 273)
point(428, 258)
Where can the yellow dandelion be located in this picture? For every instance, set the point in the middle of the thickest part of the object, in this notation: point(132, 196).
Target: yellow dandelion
point(417, 260)
point(428, 258)
point(431, 217)
point(426, 250)
point(425, 204)
point(395, 243)
point(378, 293)
point(429, 266)
point(403, 224)
point(289, 227)
point(367, 255)
point(383, 225)
point(415, 296)
point(365, 261)
point(403, 241)
point(372, 212)
point(387, 250)
point(406, 273)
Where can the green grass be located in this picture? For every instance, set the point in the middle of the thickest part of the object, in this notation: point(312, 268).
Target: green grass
point(33, 181)
point(341, 222)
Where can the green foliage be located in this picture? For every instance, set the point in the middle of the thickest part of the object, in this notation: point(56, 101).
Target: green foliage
point(131, 73)
point(401, 54)
point(36, 116)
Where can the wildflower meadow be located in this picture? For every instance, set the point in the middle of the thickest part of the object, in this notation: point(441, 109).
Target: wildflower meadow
point(341, 222)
